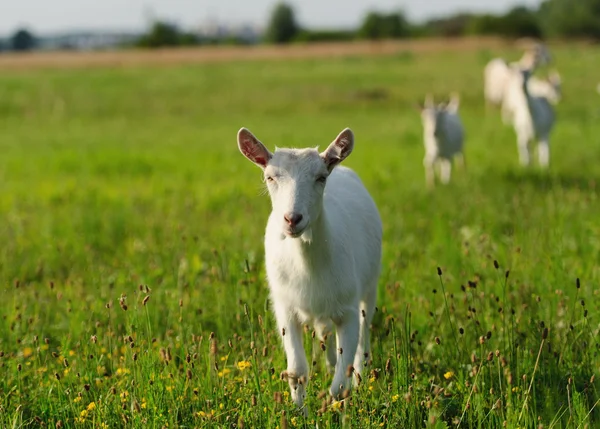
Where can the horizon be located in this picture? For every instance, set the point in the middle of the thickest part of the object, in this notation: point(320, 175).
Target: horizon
point(137, 15)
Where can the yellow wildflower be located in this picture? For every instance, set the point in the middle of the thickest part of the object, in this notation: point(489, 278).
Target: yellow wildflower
point(71, 353)
point(224, 372)
point(243, 365)
point(395, 398)
point(336, 405)
point(201, 414)
point(122, 371)
point(27, 351)
point(221, 406)
point(448, 375)
point(170, 388)
point(77, 399)
point(91, 406)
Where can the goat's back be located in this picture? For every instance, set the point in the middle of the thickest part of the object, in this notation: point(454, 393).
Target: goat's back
point(495, 76)
point(353, 220)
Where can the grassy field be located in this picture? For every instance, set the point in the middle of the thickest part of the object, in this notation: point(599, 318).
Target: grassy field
point(131, 267)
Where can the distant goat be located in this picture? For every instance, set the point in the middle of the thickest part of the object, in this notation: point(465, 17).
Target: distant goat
point(532, 117)
point(549, 88)
point(497, 72)
point(443, 136)
point(322, 253)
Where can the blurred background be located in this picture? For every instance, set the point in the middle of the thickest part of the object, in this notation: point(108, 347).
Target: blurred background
point(112, 24)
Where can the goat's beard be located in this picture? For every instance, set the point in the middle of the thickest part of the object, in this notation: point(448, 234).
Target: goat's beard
point(307, 235)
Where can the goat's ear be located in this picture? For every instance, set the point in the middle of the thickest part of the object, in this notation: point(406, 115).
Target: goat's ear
point(428, 101)
point(252, 148)
point(454, 102)
point(339, 149)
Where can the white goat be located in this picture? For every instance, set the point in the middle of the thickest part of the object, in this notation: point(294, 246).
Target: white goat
point(496, 74)
point(532, 117)
point(443, 136)
point(549, 88)
point(322, 253)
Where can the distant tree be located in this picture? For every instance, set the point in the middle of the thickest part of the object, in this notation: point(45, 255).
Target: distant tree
point(518, 22)
point(282, 27)
point(165, 34)
point(371, 26)
point(567, 18)
point(521, 22)
point(22, 40)
point(384, 26)
point(451, 26)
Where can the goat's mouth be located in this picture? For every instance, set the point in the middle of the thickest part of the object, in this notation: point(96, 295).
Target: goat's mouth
point(295, 231)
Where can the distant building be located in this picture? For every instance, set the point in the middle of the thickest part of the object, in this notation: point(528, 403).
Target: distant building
point(86, 41)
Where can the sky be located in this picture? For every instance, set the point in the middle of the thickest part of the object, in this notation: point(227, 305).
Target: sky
point(54, 16)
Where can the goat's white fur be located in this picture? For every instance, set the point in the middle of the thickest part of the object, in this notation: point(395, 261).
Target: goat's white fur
point(497, 72)
point(443, 135)
point(324, 268)
point(532, 117)
point(549, 88)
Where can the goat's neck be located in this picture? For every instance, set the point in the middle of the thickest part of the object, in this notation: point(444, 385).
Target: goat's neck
point(526, 92)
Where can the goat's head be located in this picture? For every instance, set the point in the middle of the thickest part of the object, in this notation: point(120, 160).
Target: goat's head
point(296, 178)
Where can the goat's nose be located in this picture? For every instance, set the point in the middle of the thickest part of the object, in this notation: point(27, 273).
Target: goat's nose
point(292, 219)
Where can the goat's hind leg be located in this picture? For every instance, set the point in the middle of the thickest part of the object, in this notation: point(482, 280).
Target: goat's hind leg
point(325, 333)
point(363, 351)
point(445, 170)
point(347, 333)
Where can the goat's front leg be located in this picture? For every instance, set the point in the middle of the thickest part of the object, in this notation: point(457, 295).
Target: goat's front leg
point(428, 163)
point(347, 329)
point(543, 152)
point(297, 366)
point(523, 146)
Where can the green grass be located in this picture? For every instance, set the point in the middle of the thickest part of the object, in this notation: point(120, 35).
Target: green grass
point(122, 184)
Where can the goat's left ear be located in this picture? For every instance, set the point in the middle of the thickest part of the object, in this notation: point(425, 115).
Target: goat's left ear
point(339, 149)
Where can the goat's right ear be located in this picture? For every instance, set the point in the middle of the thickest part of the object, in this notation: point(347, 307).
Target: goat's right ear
point(339, 149)
point(252, 148)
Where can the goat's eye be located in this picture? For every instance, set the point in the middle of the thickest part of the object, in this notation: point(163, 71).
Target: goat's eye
point(322, 179)
point(270, 179)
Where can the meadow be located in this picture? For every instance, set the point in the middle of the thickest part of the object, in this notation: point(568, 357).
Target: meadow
point(132, 280)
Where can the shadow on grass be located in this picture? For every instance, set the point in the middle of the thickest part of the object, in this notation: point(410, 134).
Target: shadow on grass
point(546, 181)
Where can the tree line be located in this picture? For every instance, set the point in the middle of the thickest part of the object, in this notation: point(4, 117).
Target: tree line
point(554, 18)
